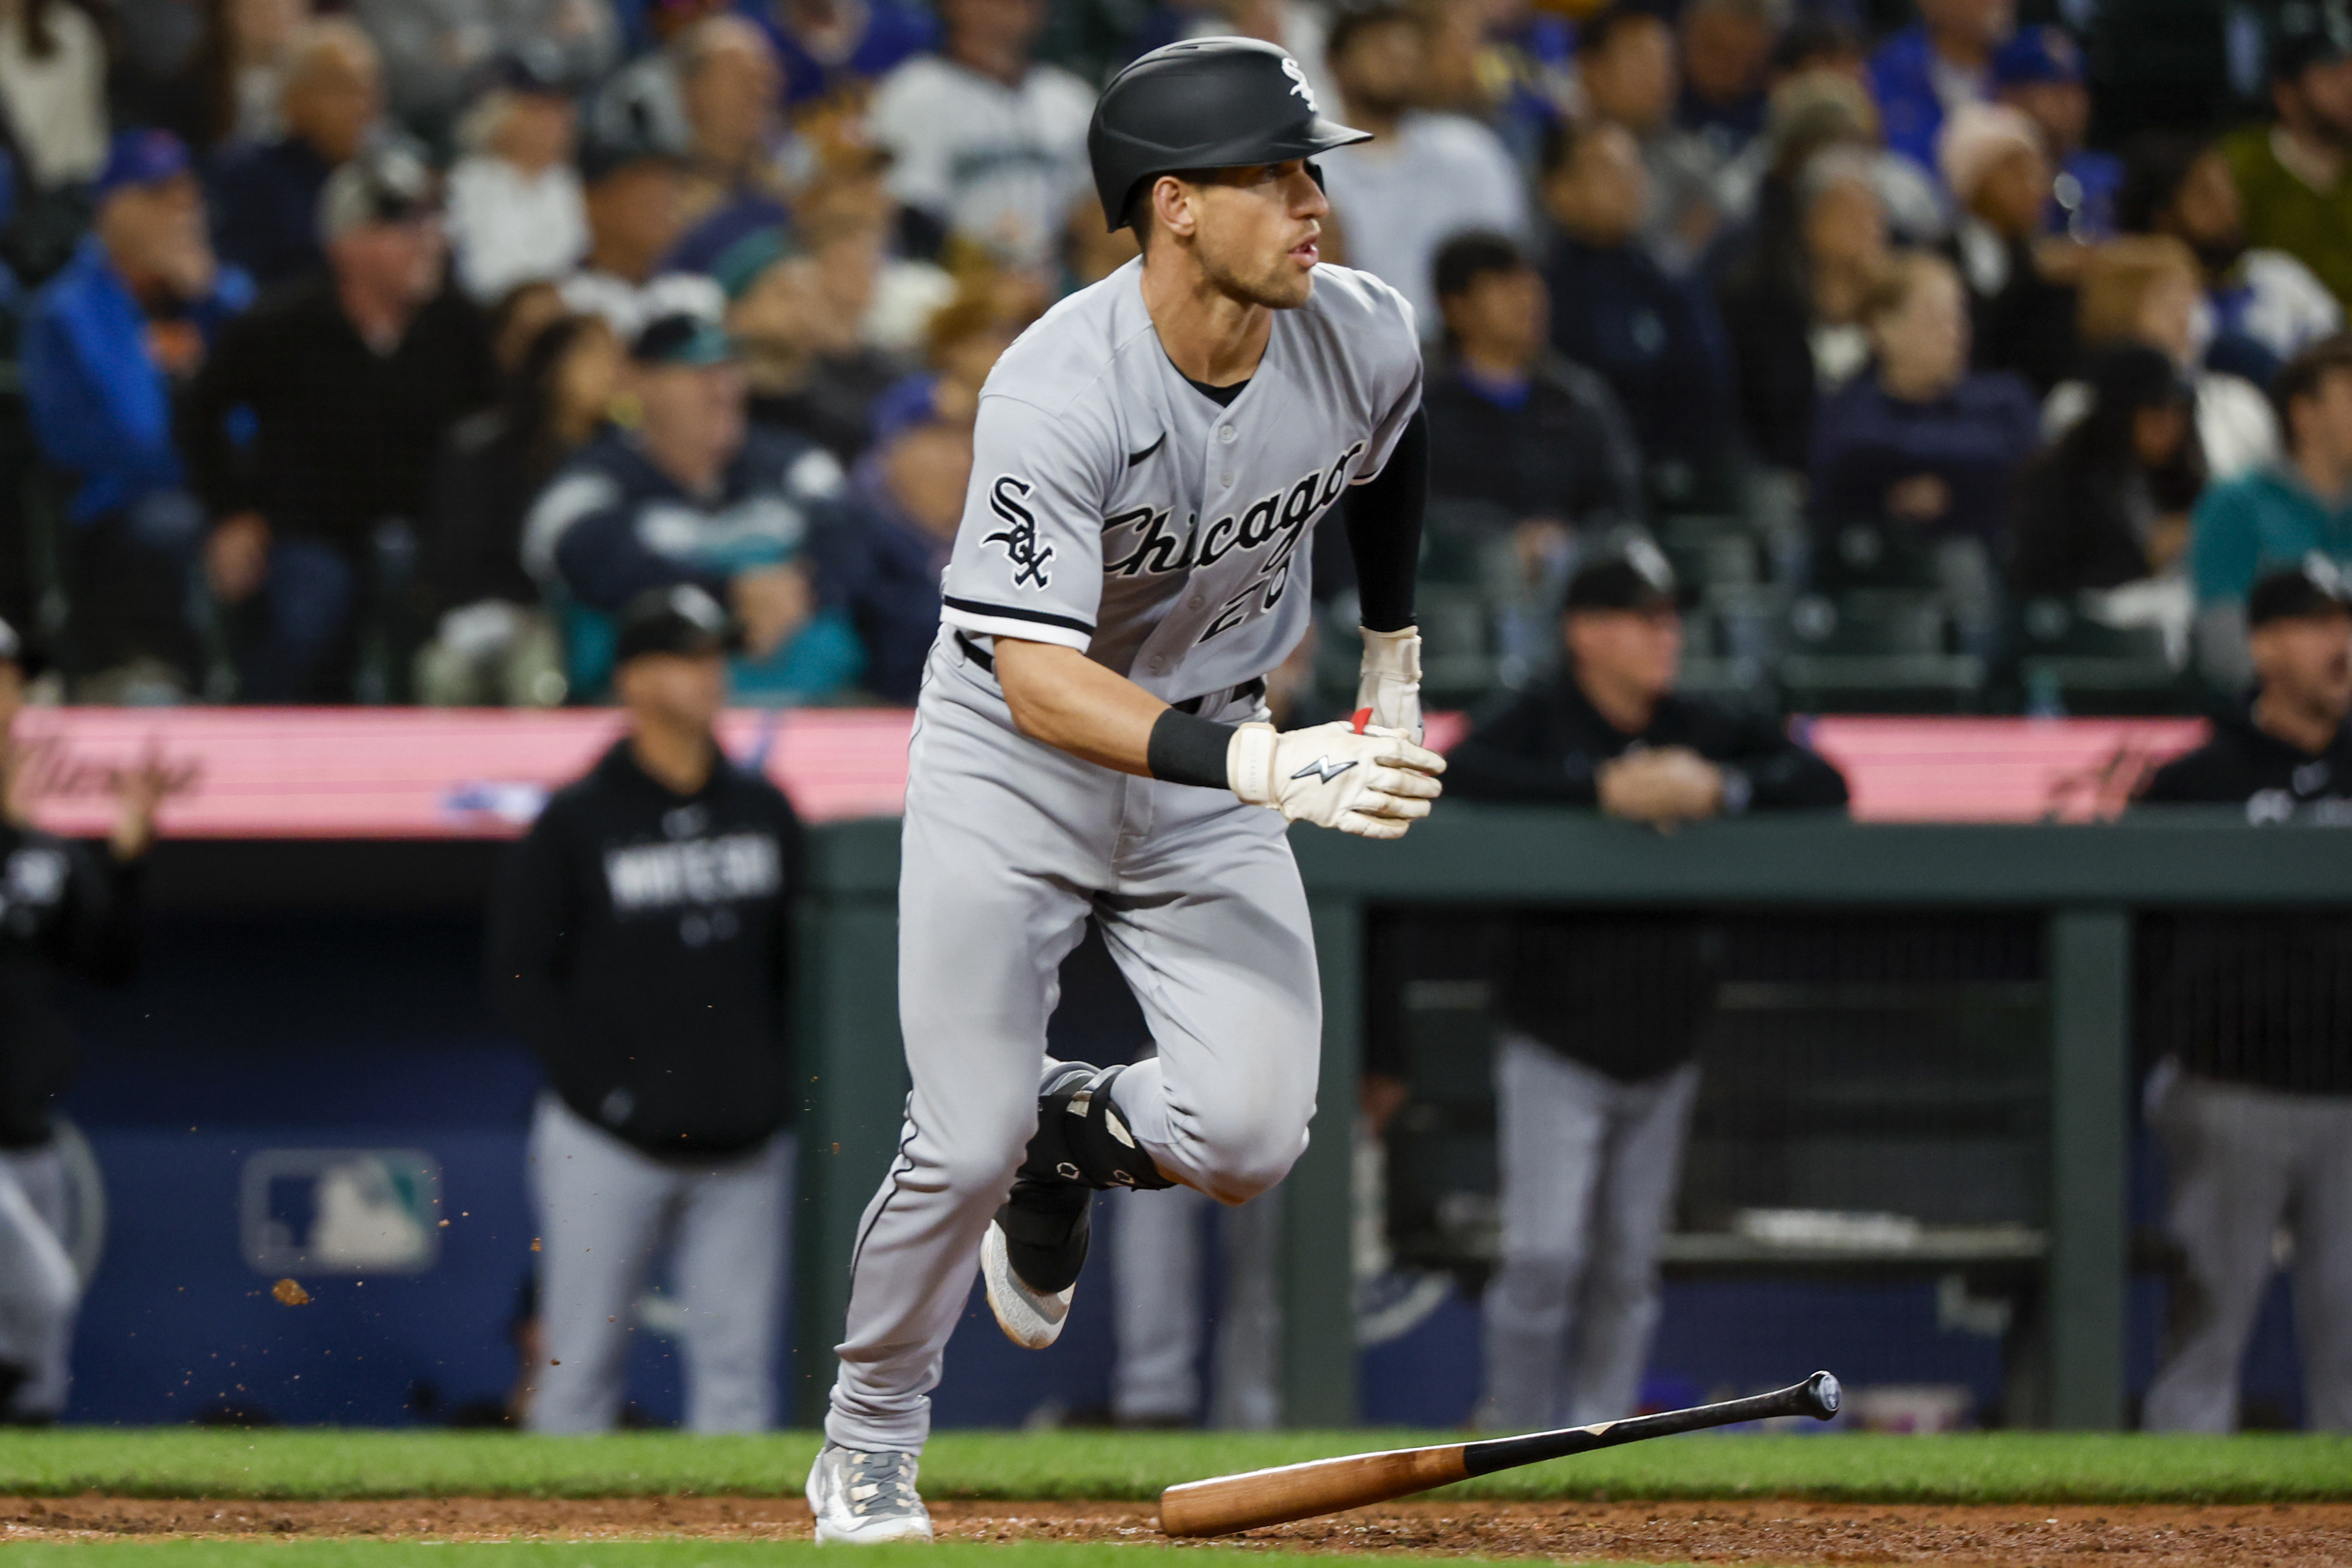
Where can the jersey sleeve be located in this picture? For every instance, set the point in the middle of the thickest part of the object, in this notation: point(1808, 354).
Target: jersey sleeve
point(1028, 558)
point(1399, 380)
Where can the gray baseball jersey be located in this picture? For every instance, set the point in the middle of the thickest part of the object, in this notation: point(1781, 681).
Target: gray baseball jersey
point(1116, 509)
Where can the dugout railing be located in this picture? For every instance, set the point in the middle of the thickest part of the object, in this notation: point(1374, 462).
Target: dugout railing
point(2083, 884)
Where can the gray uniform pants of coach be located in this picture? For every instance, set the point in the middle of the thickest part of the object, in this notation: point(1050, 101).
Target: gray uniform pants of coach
point(1157, 1252)
point(38, 1288)
point(606, 1209)
point(2244, 1162)
point(1590, 1168)
point(1008, 848)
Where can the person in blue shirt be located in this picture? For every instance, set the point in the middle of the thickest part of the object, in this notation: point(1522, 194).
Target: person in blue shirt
point(891, 543)
point(1921, 444)
point(2040, 71)
point(829, 47)
point(692, 492)
point(1932, 67)
point(265, 196)
point(2279, 515)
point(106, 343)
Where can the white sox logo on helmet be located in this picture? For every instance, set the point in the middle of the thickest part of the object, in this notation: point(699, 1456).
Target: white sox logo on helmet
point(1298, 84)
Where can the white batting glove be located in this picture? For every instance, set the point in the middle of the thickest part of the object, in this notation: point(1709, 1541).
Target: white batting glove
point(1370, 782)
point(1387, 693)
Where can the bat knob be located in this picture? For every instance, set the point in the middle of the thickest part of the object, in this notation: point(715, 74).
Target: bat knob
point(1825, 1394)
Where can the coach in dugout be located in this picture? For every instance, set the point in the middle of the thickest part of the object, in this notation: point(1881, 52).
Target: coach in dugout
point(1601, 1016)
point(64, 911)
point(2251, 1025)
point(639, 941)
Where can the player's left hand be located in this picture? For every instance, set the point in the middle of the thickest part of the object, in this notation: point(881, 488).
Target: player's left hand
point(1388, 693)
point(1374, 783)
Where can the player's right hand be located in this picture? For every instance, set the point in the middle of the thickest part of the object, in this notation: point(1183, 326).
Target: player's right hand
point(1374, 783)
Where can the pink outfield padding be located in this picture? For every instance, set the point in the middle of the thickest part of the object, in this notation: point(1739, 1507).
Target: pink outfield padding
point(395, 772)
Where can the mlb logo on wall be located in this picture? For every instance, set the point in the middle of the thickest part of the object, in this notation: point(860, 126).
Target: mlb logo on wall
point(361, 1211)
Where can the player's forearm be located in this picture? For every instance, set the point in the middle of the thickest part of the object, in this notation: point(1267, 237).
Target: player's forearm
point(1065, 699)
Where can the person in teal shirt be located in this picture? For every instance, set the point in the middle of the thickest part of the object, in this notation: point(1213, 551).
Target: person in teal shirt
point(2277, 515)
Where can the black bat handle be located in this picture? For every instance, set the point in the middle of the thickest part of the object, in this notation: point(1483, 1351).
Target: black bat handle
point(1817, 1396)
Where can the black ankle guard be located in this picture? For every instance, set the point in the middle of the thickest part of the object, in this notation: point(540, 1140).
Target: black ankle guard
point(1082, 1137)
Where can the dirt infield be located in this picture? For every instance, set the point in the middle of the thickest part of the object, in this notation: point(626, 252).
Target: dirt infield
point(2276, 1535)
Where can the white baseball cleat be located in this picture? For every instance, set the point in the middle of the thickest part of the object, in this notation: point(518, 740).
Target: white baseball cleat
point(865, 1498)
point(1031, 1317)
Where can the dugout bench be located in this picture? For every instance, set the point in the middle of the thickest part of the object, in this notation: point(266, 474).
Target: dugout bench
point(2083, 884)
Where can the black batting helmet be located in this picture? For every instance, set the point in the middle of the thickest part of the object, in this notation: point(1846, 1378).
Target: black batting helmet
point(1206, 103)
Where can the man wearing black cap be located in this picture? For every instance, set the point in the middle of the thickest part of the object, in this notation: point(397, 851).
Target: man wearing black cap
point(639, 941)
point(349, 379)
point(2293, 175)
point(694, 493)
point(2249, 1020)
point(64, 911)
point(634, 183)
point(1602, 1016)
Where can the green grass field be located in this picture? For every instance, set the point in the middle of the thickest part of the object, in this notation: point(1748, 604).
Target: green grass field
point(1988, 1467)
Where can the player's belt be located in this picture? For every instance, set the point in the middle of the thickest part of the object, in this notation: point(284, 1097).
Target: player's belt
point(1249, 690)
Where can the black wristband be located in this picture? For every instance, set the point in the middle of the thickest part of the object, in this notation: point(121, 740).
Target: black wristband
point(1189, 750)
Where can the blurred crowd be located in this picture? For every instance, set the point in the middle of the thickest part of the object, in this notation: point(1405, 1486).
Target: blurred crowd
point(382, 350)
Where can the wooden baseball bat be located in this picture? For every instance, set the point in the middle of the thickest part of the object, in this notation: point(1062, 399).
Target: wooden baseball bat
point(1226, 1503)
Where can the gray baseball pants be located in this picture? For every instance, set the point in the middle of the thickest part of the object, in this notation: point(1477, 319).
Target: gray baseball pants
point(2244, 1162)
point(1156, 1250)
point(1009, 847)
point(1590, 1168)
point(38, 1288)
point(606, 1209)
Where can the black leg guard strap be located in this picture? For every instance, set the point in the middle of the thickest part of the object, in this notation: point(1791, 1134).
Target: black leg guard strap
point(1097, 1147)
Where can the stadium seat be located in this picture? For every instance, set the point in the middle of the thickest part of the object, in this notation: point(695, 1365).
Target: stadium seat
point(1876, 651)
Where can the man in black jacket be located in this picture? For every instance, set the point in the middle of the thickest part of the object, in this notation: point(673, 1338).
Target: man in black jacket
point(1601, 1016)
point(2251, 1021)
point(639, 941)
point(345, 382)
point(63, 911)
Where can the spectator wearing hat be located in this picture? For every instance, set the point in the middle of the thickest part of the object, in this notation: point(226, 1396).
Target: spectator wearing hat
point(347, 382)
point(2020, 288)
point(1425, 175)
point(2040, 72)
point(2266, 306)
point(1602, 1016)
point(516, 211)
point(2107, 504)
point(634, 183)
point(692, 492)
point(2252, 1097)
point(640, 941)
point(2280, 514)
point(2293, 174)
point(984, 141)
point(1934, 66)
point(72, 911)
point(265, 198)
point(1524, 445)
point(106, 344)
point(1614, 311)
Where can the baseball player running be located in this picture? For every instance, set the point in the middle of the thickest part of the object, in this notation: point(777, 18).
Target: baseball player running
point(1149, 460)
